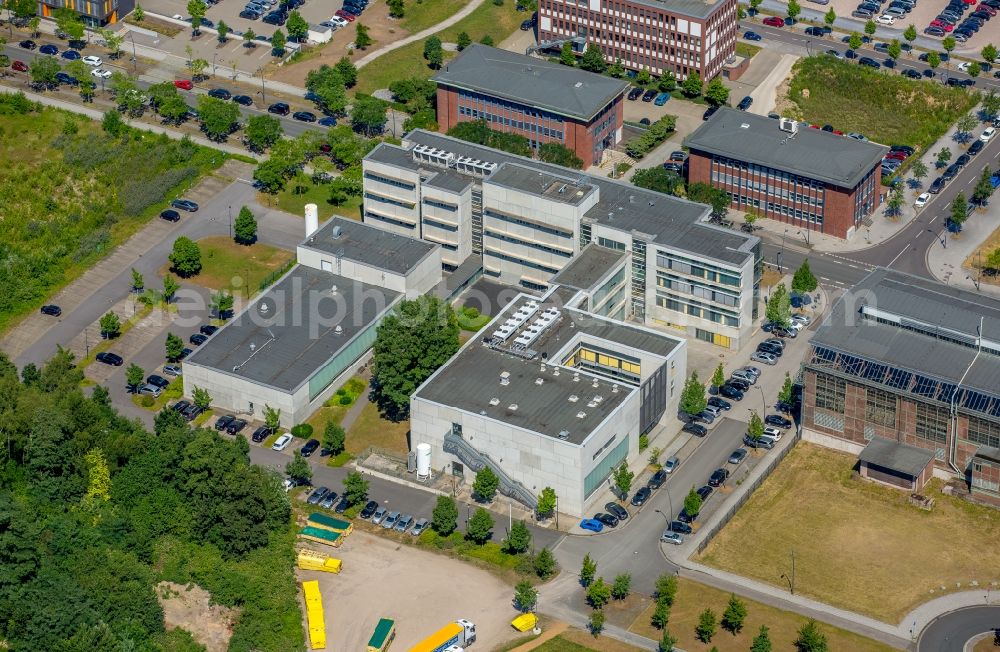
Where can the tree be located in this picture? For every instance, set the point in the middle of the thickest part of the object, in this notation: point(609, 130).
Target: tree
point(667, 82)
point(666, 588)
point(348, 71)
point(355, 488)
point(830, 17)
point(983, 189)
point(249, 39)
point(621, 587)
point(546, 502)
point(691, 87)
point(138, 283)
point(755, 5)
point(298, 469)
point(201, 398)
point(262, 131)
point(785, 393)
point(667, 642)
point(894, 49)
point(854, 41)
point(598, 593)
point(410, 344)
point(368, 115)
point(139, 15)
point(566, 54)
point(804, 280)
point(433, 52)
point(705, 193)
point(222, 304)
point(692, 503)
point(717, 94)
point(134, 376)
point(518, 539)
point(735, 615)
point(98, 478)
point(223, 29)
point(974, 69)
point(991, 103)
point(185, 257)
point(175, 347)
point(197, 10)
point(658, 179)
point(762, 641)
point(959, 208)
point(870, 28)
point(918, 169)
point(218, 117)
point(811, 639)
point(755, 428)
point(642, 78)
point(894, 207)
point(111, 326)
point(69, 22)
point(333, 438)
point(479, 529)
point(559, 154)
point(596, 623)
point(661, 615)
point(525, 596)
point(989, 53)
point(486, 484)
point(397, 8)
point(793, 9)
point(706, 626)
point(170, 287)
point(617, 69)
point(297, 27)
point(444, 519)
point(588, 570)
point(933, 59)
point(463, 41)
point(593, 59)
point(693, 399)
point(943, 157)
point(361, 38)
point(43, 71)
point(33, 24)
point(910, 34)
point(278, 42)
point(948, 43)
point(623, 477)
point(245, 227)
point(779, 306)
point(487, 40)
point(718, 377)
point(965, 124)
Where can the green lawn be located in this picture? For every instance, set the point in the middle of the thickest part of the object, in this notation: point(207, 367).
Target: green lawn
point(886, 107)
point(746, 50)
point(237, 268)
point(294, 198)
point(426, 13)
point(370, 429)
point(67, 199)
point(408, 61)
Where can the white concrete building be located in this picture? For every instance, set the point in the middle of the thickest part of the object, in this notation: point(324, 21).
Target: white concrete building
point(302, 338)
point(551, 396)
point(527, 221)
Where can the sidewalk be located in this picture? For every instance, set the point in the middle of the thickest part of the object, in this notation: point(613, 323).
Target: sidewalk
point(433, 29)
point(944, 260)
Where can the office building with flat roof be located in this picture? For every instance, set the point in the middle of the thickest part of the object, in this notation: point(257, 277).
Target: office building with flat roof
point(914, 363)
point(549, 396)
point(527, 221)
point(808, 178)
point(661, 36)
point(295, 343)
point(542, 101)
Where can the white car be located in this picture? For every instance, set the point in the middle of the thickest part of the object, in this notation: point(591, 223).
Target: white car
point(91, 60)
point(795, 325)
point(101, 72)
point(988, 134)
point(922, 199)
point(773, 433)
point(886, 19)
point(804, 319)
point(766, 358)
point(337, 20)
point(282, 442)
point(963, 66)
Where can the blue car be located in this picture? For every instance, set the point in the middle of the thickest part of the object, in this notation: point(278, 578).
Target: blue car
point(327, 122)
point(49, 49)
point(591, 524)
point(661, 99)
point(71, 55)
point(751, 36)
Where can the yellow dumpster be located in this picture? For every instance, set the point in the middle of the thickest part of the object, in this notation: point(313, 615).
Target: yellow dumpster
point(310, 560)
point(314, 614)
point(322, 536)
point(524, 622)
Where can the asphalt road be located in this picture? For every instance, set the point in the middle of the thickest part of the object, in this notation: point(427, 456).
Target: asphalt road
point(950, 632)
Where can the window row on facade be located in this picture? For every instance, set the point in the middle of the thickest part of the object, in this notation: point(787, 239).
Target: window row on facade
point(478, 114)
point(693, 308)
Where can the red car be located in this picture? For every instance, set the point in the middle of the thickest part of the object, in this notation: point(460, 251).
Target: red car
point(183, 84)
point(349, 17)
point(774, 21)
point(20, 66)
point(896, 155)
point(988, 9)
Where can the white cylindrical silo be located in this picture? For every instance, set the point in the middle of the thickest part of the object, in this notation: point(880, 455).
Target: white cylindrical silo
point(312, 219)
point(423, 460)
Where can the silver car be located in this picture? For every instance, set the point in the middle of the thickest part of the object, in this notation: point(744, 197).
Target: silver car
point(379, 515)
point(670, 465)
point(669, 536)
point(419, 527)
point(766, 358)
point(745, 375)
point(390, 520)
point(404, 523)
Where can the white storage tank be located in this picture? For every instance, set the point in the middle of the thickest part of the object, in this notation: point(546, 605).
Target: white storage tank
point(423, 460)
point(312, 219)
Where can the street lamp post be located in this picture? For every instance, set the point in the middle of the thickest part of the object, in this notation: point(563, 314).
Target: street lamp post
point(230, 222)
point(135, 58)
point(667, 520)
point(763, 401)
point(213, 63)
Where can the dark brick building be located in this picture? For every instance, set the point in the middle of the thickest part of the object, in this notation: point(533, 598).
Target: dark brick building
point(808, 178)
point(911, 361)
point(541, 101)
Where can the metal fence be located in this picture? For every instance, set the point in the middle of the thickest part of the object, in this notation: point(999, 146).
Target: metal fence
point(769, 465)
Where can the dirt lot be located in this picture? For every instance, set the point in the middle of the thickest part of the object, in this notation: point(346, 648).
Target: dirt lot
point(847, 535)
point(191, 610)
point(420, 590)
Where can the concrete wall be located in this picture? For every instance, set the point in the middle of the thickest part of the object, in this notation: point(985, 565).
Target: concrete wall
point(234, 394)
point(424, 276)
point(461, 218)
point(404, 220)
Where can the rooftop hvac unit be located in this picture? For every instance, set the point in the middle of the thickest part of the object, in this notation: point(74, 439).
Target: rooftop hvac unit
point(573, 398)
point(791, 126)
point(564, 434)
point(581, 414)
point(494, 401)
point(539, 381)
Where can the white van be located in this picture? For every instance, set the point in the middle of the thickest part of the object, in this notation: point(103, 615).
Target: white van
point(282, 442)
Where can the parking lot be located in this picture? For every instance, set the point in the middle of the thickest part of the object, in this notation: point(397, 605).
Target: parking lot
point(420, 590)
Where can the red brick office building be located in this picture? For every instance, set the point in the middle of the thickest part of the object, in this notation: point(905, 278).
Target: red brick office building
point(541, 101)
point(678, 36)
point(900, 359)
point(808, 178)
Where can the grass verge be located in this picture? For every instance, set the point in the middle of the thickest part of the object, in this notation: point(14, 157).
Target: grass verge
point(421, 15)
point(976, 261)
point(576, 640)
point(294, 198)
point(888, 108)
point(370, 429)
point(693, 598)
point(847, 534)
point(227, 265)
point(104, 345)
point(746, 50)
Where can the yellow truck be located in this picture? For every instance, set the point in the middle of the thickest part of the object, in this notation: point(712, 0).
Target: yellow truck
point(452, 637)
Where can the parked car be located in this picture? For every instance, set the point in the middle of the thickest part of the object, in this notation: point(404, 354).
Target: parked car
point(220, 94)
point(261, 433)
point(185, 205)
point(705, 491)
point(758, 443)
point(304, 116)
point(70, 55)
point(737, 456)
point(112, 359)
point(279, 108)
point(92, 60)
point(379, 515)
point(661, 99)
point(681, 527)
point(741, 385)
point(419, 527)
point(404, 523)
point(180, 406)
point(170, 215)
point(750, 35)
point(282, 442)
point(606, 519)
point(317, 495)
point(236, 425)
point(649, 95)
point(641, 496)
point(310, 447)
point(157, 381)
point(745, 103)
point(709, 112)
point(328, 500)
point(51, 310)
point(772, 432)
point(774, 21)
point(635, 94)
point(718, 478)
point(172, 369)
point(987, 134)
point(198, 339)
point(223, 422)
point(671, 537)
point(150, 390)
point(745, 376)
point(192, 412)
point(19, 66)
point(390, 521)
point(617, 510)
point(731, 392)
point(591, 524)
point(369, 509)
point(208, 329)
point(777, 420)
point(695, 429)
point(101, 73)
point(704, 416)
point(766, 358)
point(657, 480)
point(717, 402)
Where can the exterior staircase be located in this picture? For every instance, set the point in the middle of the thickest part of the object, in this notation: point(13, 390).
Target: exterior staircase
point(456, 445)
